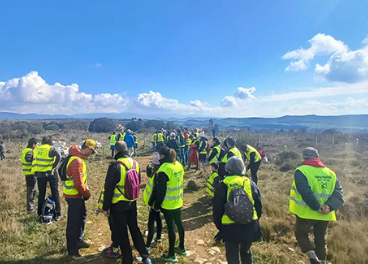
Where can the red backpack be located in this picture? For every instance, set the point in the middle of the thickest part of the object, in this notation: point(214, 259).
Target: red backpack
point(132, 183)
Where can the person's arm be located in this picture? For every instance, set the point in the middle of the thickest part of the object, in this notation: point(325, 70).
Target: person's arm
point(251, 161)
point(29, 156)
point(218, 202)
point(213, 154)
point(257, 199)
point(75, 170)
point(160, 187)
point(54, 152)
point(337, 197)
point(112, 179)
point(305, 190)
point(201, 146)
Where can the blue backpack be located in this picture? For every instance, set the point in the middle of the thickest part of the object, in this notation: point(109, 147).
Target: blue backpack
point(48, 213)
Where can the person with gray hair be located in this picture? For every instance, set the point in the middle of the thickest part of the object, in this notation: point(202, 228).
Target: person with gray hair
point(314, 196)
point(238, 237)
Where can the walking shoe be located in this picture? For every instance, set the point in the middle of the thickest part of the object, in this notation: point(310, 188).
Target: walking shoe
point(315, 261)
point(112, 252)
point(180, 251)
point(139, 258)
point(147, 261)
point(156, 242)
point(75, 257)
point(84, 244)
point(168, 258)
point(59, 218)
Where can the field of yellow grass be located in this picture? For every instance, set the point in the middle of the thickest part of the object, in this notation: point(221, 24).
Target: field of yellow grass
point(23, 240)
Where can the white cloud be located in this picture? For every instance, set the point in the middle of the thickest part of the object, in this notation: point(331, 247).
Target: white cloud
point(321, 44)
point(239, 97)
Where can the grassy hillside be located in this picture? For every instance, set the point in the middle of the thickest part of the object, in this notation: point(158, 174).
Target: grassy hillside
point(23, 240)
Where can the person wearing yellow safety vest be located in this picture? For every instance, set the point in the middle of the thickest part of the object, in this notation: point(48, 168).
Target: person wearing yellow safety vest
point(314, 196)
point(160, 140)
point(212, 181)
point(76, 192)
point(180, 137)
point(26, 159)
point(193, 156)
point(167, 196)
point(122, 210)
point(202, 150)
point(45, 159)
point(230, 151)
point(112, 143)
point(216, 152)
point(188, 142)
point(154, 142)
point(254, 158)
point(136, 142)
point(238, 238)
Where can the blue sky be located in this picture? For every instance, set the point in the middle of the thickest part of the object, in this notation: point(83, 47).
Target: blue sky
point(184, 57)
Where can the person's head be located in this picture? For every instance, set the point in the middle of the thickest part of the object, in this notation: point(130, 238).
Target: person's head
point(310, 153)
point(47, 140)
point(114, 133)
point(214, 166)
point(88, 147)
point(201, 134)
point(216, 141)
point(234, 166)
point(172, 135)
point(121, 147)
point(167, 153)
point(32, 143)
point(244, 148)
point(229, 142)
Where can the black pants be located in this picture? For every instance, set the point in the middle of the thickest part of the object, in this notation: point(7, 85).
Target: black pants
point(31, 182)
point(112, 229)
point(253, 170)
point(302, 228)
point(234, 248)
point(152, 218)
point(77, 215)
point(171, 217)
point(122, 220)
point(54, 186)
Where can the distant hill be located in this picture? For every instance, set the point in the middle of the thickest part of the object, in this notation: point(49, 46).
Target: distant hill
point(345, 123)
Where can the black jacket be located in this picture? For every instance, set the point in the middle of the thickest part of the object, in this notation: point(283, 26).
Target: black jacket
point(112, 179)
point(159, 188)
point(214, 153)
point(239, 233)
point(221, 170)
point(174, 144)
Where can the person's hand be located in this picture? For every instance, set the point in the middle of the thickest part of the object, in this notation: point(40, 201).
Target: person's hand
point(324, 209)
point(156, 210)
point(106, 213)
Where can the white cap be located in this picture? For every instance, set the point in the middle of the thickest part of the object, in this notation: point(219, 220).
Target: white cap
point(172, 134)
point(201, 134)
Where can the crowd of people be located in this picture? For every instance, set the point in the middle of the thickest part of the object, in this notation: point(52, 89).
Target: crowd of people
point(236, 199)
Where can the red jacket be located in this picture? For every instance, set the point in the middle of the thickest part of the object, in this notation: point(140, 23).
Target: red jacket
point(75, 170)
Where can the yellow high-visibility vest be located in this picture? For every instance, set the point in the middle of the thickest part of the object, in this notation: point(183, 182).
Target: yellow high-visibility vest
point(238, 181)
point(322, 181)
point(26, 166)
point(251, 150)
point(210, 183)
point(233, 150)
point(215, 159)
point(204, 150)
point(112, 140)
point(68, 185)
point(117, 196)
point(148, 190)
point(175, 186)
point(160, 137)
point(188, 142)
point(135, 139)
point(154, 137)
point(41, 160)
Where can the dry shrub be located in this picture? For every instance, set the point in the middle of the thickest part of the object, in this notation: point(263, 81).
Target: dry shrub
point(285, 156)
point(287, 167)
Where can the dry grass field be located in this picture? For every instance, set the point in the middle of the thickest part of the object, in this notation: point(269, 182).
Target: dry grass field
point(23, 240)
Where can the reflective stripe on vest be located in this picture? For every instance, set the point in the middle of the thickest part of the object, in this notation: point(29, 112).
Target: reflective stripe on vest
point(188, 142)
point(216, 157)
point(210, 182)
point(68, 185)
point(175, 186)
point(179, 139)
point(112, 140)
point(153, 138)
point(251, 150)
point(41, 160)
point(148, 190)
point(160, 137)
point(322, 181)
point(204, 150)
point(117, 196)
point(26, 166)
point(101, 199)
point(135, 139)
point(239, 181)
point(233, 150)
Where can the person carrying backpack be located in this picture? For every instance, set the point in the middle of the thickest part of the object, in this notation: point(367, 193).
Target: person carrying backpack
point(121, 191)
point(238, 230)
point(75, 191)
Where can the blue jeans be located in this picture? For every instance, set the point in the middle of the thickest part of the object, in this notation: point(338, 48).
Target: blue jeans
point(77, 215)
point(153, 147)
point(184, 161)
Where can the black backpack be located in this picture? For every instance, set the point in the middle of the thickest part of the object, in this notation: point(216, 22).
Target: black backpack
point(239, 206)
point(62, 168)
point(48, 212)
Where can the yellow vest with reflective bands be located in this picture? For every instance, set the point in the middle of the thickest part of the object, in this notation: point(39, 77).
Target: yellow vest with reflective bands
point(41, 160)
point(178, 138)
point(68, 185)
point(117, 196)
point(135, 139)
point(322, 181)
point(188, 142)
point(26, 166)
point(160, 137)
point(122, 136)
point(251, 150)
point(112, 140)
point(175, 186)
point(233, 150)
point(238, 181)
point(101, 199)
point(210, 187)
point(201, 143)
point(216, 157)
point(153, 138)
point(148, 190)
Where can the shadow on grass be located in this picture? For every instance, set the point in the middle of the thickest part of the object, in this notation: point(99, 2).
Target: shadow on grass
point(197, 215)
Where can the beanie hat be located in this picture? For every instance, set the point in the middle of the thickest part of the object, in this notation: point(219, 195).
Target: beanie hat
point(310, 153)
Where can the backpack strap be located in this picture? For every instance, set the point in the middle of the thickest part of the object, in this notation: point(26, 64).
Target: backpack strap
point(126, 167)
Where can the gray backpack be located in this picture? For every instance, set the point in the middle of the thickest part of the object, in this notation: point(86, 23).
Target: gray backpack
point(239, 206)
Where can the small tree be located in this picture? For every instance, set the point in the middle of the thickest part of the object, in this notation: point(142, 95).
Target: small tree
point(101, 125)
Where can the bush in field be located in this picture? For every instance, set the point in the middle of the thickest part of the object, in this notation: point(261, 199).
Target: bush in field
point(157, 124)
point(286, 156)
point(134, 125)
point(35, 129)
point(52, 127)
point(102, 125)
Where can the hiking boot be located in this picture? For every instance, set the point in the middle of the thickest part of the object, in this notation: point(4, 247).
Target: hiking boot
point(315, 261)
point(84, 244)
point(168, 258)
point(180, 251)
point(111, 253)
